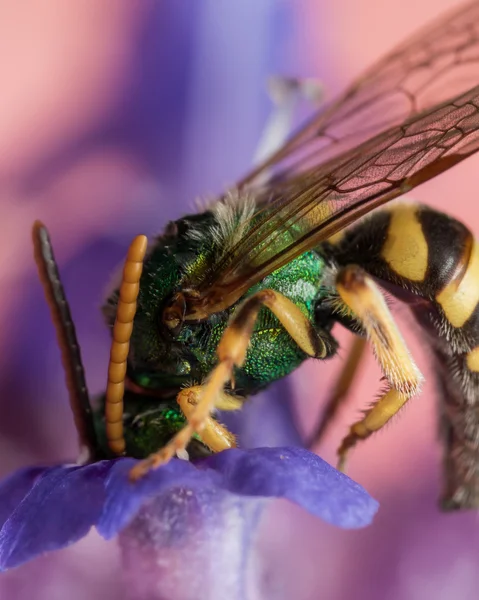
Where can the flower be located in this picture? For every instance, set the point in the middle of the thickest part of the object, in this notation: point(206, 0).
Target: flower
point(167, 119)
point(44, 509)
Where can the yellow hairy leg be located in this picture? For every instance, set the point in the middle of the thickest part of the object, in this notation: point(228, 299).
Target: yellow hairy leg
point(213, 434)
point(363, 298)
point(232, 352)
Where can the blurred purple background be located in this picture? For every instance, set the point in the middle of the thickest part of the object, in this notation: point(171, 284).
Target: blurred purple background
point(114, 117)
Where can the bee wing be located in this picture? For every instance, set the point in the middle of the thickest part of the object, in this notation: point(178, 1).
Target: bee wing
point(438, 63)
point(308, 208)
point(393, 129)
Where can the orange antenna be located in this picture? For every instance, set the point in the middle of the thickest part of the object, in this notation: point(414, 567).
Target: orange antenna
point(67, 339)
point(120, 345)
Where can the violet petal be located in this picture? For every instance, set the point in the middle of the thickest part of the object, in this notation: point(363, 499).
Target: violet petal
point(124, 498)
point(299, 476)
point(60, 508)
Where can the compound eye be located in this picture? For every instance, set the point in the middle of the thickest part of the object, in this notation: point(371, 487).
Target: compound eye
point(173, 314)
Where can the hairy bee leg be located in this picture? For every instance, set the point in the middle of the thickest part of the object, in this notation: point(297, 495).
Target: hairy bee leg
point(375, 418)
point(232, 352)
point(214, 435)
point(430, 261)
point(285, 92)
point(120, 344)
point(341, 389)
point(363, 297)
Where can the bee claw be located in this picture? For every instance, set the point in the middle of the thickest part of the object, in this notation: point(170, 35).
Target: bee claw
point(182, 454)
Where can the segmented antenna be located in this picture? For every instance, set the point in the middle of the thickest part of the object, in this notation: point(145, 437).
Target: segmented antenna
point(120, 345)
point(67, 340)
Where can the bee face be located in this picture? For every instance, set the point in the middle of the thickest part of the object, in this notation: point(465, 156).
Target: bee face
point(163, 347)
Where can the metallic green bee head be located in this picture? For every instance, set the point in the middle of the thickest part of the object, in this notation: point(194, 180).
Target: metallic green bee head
point(171, 345)
point(159, 348)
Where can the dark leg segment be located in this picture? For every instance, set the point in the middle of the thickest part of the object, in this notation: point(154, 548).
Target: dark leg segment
point(341, 389)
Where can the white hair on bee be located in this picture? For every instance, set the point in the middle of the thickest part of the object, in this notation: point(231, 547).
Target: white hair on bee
point(232, 215)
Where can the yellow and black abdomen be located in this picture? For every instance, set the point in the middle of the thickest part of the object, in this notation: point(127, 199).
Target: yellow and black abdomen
point(431, 262)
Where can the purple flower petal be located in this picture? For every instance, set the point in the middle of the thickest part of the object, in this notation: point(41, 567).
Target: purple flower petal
point(14, 488)
point(291, 473)
point(299, 476)
point(60, 508)
point(124, 498)
point(48, 509)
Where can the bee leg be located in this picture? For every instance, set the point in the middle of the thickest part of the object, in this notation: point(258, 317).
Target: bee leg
point(213, 434)
point(430, 261)
point(340, 391)
point(232, 353)
point(363, 298)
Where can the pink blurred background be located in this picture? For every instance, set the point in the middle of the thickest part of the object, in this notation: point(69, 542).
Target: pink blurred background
point(114, 117)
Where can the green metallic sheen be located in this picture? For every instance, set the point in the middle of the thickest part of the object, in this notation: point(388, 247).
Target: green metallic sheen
point(148, 422)
point(160, 362)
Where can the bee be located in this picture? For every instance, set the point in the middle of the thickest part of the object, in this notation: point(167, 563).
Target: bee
point(230, 299)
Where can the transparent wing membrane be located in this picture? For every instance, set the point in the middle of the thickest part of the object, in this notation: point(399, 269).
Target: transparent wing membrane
point(410, 117)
